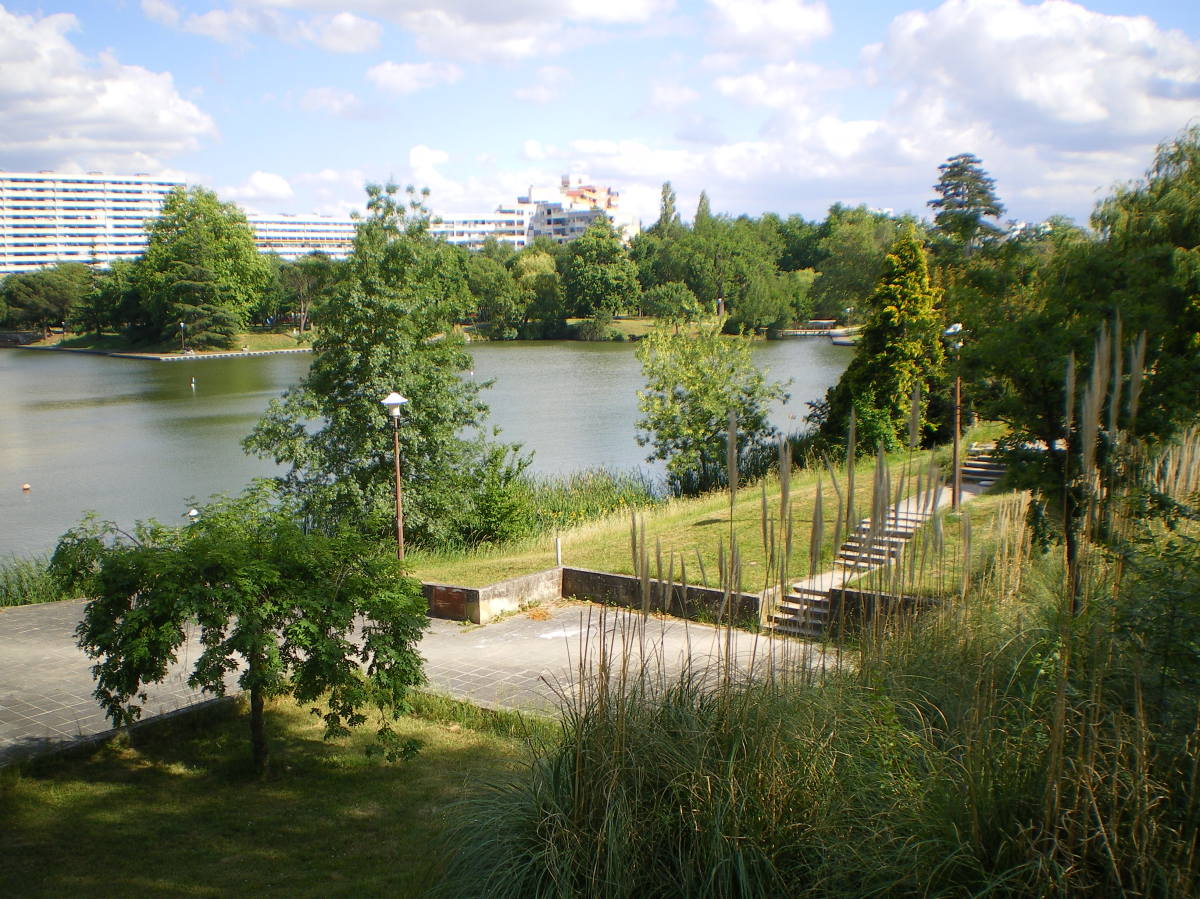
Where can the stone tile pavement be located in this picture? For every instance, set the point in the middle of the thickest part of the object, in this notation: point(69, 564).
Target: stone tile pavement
point(520, 662)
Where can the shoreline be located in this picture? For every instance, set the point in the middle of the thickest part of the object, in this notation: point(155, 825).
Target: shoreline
point(167, 357)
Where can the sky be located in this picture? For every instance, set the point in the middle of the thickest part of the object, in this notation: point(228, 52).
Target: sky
point(784, 106)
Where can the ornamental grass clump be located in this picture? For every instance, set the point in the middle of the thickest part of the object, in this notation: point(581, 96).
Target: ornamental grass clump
point(1034, 731)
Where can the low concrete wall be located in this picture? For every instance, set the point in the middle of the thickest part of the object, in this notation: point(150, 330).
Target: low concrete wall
point(482, 604)
point(626, 590)
point(851, 610)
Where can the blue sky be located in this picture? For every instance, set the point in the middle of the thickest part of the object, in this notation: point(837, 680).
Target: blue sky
point(785, 106)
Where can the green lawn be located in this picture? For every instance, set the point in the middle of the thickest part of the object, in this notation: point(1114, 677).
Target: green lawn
point(178, 812)
point(691, 528)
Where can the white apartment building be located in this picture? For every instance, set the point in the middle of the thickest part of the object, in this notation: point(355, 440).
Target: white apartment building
point(49, 217)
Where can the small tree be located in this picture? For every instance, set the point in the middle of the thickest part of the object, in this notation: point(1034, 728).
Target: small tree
point(693, 382)
point(277, 602)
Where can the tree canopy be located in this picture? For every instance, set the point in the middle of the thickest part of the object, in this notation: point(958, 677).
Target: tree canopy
point(966, 198)
point(693, 383)
point(277, 609)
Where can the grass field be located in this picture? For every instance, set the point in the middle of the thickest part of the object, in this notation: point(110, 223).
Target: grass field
point(179, 813)
point(116, 343)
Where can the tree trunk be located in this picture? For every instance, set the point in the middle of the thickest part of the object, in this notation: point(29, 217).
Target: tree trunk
point(258, 736)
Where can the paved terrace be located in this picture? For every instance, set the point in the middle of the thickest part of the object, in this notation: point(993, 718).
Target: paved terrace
point(520, 662)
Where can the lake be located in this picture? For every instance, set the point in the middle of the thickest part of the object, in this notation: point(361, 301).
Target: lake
point(132, 439)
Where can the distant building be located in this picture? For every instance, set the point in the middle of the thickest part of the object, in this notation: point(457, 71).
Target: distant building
point(48, 217)
point(561, 215)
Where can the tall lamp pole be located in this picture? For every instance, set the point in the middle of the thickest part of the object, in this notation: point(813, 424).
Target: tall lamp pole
point(392, 402)
point(956, 489)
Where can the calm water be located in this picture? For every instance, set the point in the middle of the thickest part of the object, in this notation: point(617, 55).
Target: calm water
point(132, 440)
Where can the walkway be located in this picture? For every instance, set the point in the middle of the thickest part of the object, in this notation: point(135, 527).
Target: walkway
point(46, 684)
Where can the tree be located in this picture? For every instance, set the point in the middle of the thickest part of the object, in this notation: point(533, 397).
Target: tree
point(966, 197)
point(704, 216)
point(668, 216)
point(599, 278)
point(388, 327)
point(47, 297)
point(900, 349)
point(305, 282)
point(672, 302)
point(196, 231)
point(536, 277)
point(693, 382)
point(496, 296)
point(277, 602)
point(854, 246)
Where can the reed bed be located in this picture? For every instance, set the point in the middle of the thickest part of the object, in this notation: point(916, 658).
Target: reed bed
point(1035, 731)
point(27, 580)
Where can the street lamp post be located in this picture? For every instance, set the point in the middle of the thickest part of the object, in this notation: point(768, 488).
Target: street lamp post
point(182, 337)
point(392, 402)
point(956, 489)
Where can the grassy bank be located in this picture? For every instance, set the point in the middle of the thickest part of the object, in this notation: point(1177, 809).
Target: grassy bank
point(254, 341)
point(1028, 736)
point(178, 812)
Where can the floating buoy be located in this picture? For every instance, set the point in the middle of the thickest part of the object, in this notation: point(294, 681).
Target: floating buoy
point(193, 383)
point(25, 488)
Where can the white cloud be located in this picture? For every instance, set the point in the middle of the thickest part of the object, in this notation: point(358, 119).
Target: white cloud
point(410, 77)
point(61, 109)
point(259, 186)
point(549, 85)
point(770, 27)
point(671, 96)
point(780, 86)
point(161, 11)
point(1055, 73)
point(331, 100)
point(343, 33)
point(233, 26)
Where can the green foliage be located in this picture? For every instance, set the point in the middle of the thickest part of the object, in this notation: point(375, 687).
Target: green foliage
point(693, 383)
point(854, 246)
point(387, 327)
point(266, 594)
point(966, 198)
point(535, 275)
point(900, 349)
point(668, 222)
point(497, 297)
point(27, 581)
point(672, 302)
point(598, 276)
point(195, 234)
point(305, 283)
point(46, 297)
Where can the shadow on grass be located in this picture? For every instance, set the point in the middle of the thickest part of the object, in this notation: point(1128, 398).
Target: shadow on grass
point(177, 810)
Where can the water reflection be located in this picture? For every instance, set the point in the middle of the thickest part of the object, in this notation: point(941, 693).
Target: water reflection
point(132, 439)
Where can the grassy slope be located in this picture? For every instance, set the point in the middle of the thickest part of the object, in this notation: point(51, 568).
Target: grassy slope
point(180, 814)
point(686, 526)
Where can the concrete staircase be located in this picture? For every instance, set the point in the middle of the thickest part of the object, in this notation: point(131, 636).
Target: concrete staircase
point(806, 609)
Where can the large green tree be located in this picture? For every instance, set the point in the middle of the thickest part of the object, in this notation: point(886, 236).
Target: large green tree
point(278, 608)
point(900, 349)
point(693, 382)
point(389, 327)
point(966, 200)
point(198, 233)
point(853, 247)
point(599, 278)
point(47, 297)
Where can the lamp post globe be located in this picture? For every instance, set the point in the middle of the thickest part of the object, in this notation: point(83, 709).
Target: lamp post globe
point(393, 402)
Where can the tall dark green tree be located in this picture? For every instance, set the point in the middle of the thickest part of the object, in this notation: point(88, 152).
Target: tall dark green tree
point(196, 231)
point(389, 327)
point(668, 222)
point(966, 200)
point(900, 348)
point(47, 297)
